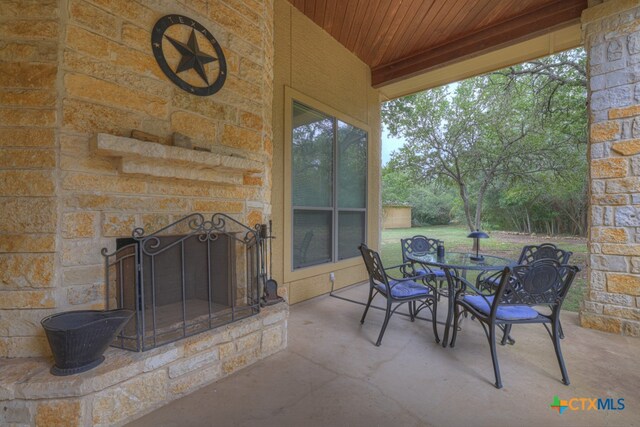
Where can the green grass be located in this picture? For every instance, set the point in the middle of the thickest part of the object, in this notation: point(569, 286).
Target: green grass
point(502, 244)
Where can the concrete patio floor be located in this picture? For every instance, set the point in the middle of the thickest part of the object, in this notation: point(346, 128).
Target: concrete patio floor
point(332, 375)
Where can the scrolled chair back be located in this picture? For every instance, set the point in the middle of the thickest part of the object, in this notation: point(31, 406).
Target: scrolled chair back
point(374, 265)
point(542, 282)
point(418, 245)
point(533, 253)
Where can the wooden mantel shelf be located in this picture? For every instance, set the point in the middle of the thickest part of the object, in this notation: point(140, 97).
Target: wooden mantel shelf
point(149, 158)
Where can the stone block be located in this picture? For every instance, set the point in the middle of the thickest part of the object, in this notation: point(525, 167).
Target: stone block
point(27, 97)
point(27, 183)
point(204, 106)
point(81, 252)
point(84, 182)
point(162, 359)
point(31, 29)
point(622, 312)
point(82, 275)
point(240, 361)
point(609, 199)
point(29, 51)
point(16, 158)
point(135, 37)
point(248, 342)
point(86, 294)
point(272, 340)
point(628, 147)
point(78, 224)
point(195, 380)
point(118, 403)
point(16, 412)
point(27, 117)
point(628, 216)
point(33, 346)
point(194, 362)
point(27, 243)
point(241, 138)
point(609, 216)
point(226, 350)
point(623, 185)
point(631, 329)
point(602, 323)
point(204, 341)
point(610, 235)
point(154, 222)
point(201, 129)
point(612, 167)
point(598, 281)
point(89, 118)
point(625, 249)
point(250, 120)
point(605, 131)
point(26, 299)
point(28, 75)
point(622, 113)
point(23, 323)
point(28, 9)
point(25, 137)
point(593, 307)
point(217, 206)
point(608, 263)
point(627, 284)
point(90, 16)
point(23, 270)
point(118, 224)
point(57, 413)
point(104, 92)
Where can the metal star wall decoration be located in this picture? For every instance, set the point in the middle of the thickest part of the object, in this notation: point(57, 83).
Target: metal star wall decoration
point(191, 55)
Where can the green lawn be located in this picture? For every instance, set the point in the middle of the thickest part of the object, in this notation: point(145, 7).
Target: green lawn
point(503, 244)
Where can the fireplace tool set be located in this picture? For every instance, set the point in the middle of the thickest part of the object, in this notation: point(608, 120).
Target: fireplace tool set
point(270, 286)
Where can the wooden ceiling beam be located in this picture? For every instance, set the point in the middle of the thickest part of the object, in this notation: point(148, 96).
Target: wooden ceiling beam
point(536, 22)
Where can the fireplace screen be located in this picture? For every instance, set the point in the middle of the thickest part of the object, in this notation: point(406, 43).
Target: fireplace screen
point(193, 275)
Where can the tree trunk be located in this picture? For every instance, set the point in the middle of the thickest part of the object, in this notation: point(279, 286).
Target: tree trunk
point(465, 201)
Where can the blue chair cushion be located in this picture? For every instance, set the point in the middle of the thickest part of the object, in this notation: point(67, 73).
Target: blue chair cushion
point(438, 273)
point(404, 289)
point(505, 312)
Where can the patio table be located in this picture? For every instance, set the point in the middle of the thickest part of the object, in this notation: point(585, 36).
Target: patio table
point(459, 263)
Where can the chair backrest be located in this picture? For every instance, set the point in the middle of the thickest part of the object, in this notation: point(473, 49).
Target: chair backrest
point(533, 253)
point(543, 282)
point(419, 245)
point(374, 265)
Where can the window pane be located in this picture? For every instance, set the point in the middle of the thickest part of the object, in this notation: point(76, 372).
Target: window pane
point(311, 237)
point(352, 166)
point(350, 233)
point(312, 154)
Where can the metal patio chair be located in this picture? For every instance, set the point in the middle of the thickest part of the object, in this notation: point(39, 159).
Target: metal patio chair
point(544, 282)
point(420, 245)
point(419, 292)
point(529, 254)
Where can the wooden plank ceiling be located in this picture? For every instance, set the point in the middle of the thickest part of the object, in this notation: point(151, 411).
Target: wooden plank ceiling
point(401, 38)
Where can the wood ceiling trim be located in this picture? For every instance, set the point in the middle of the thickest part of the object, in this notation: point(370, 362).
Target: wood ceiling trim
point(550, 16)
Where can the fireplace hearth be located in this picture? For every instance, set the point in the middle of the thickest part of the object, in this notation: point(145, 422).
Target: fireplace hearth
point(193, 275)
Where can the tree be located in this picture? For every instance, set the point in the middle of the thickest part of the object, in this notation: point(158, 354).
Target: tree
point(514, 128)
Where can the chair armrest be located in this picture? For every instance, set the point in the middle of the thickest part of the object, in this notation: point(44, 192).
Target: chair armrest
point(465, 284)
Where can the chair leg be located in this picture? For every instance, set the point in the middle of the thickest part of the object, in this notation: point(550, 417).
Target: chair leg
point(456, 319)
point(494, 355)
point(412, 310)
point(556, 344)
point(560, 331)
point(368, 304)
point(434, 318)
point(387, 316)
point(505, 336)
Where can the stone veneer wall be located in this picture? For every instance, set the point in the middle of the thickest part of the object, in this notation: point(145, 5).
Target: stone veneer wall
point(128, 385)
point(612, 39)
point(76, 68)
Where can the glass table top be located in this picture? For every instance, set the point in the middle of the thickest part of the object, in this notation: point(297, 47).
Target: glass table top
point(463, 261)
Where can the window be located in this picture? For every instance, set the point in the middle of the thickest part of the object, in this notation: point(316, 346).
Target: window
point(329, 187)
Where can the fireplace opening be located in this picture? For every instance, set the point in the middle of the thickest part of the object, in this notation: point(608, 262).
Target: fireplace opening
point(191, 276)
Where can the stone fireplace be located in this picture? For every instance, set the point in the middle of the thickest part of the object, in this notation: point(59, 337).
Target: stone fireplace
point(101, 142)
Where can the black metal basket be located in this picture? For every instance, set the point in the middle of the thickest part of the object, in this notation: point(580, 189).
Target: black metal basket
point(79, 338)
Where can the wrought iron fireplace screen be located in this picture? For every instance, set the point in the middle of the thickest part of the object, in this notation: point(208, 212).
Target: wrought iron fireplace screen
point(190, 276)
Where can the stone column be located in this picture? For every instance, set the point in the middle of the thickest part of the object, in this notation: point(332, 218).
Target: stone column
point(612, 40)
